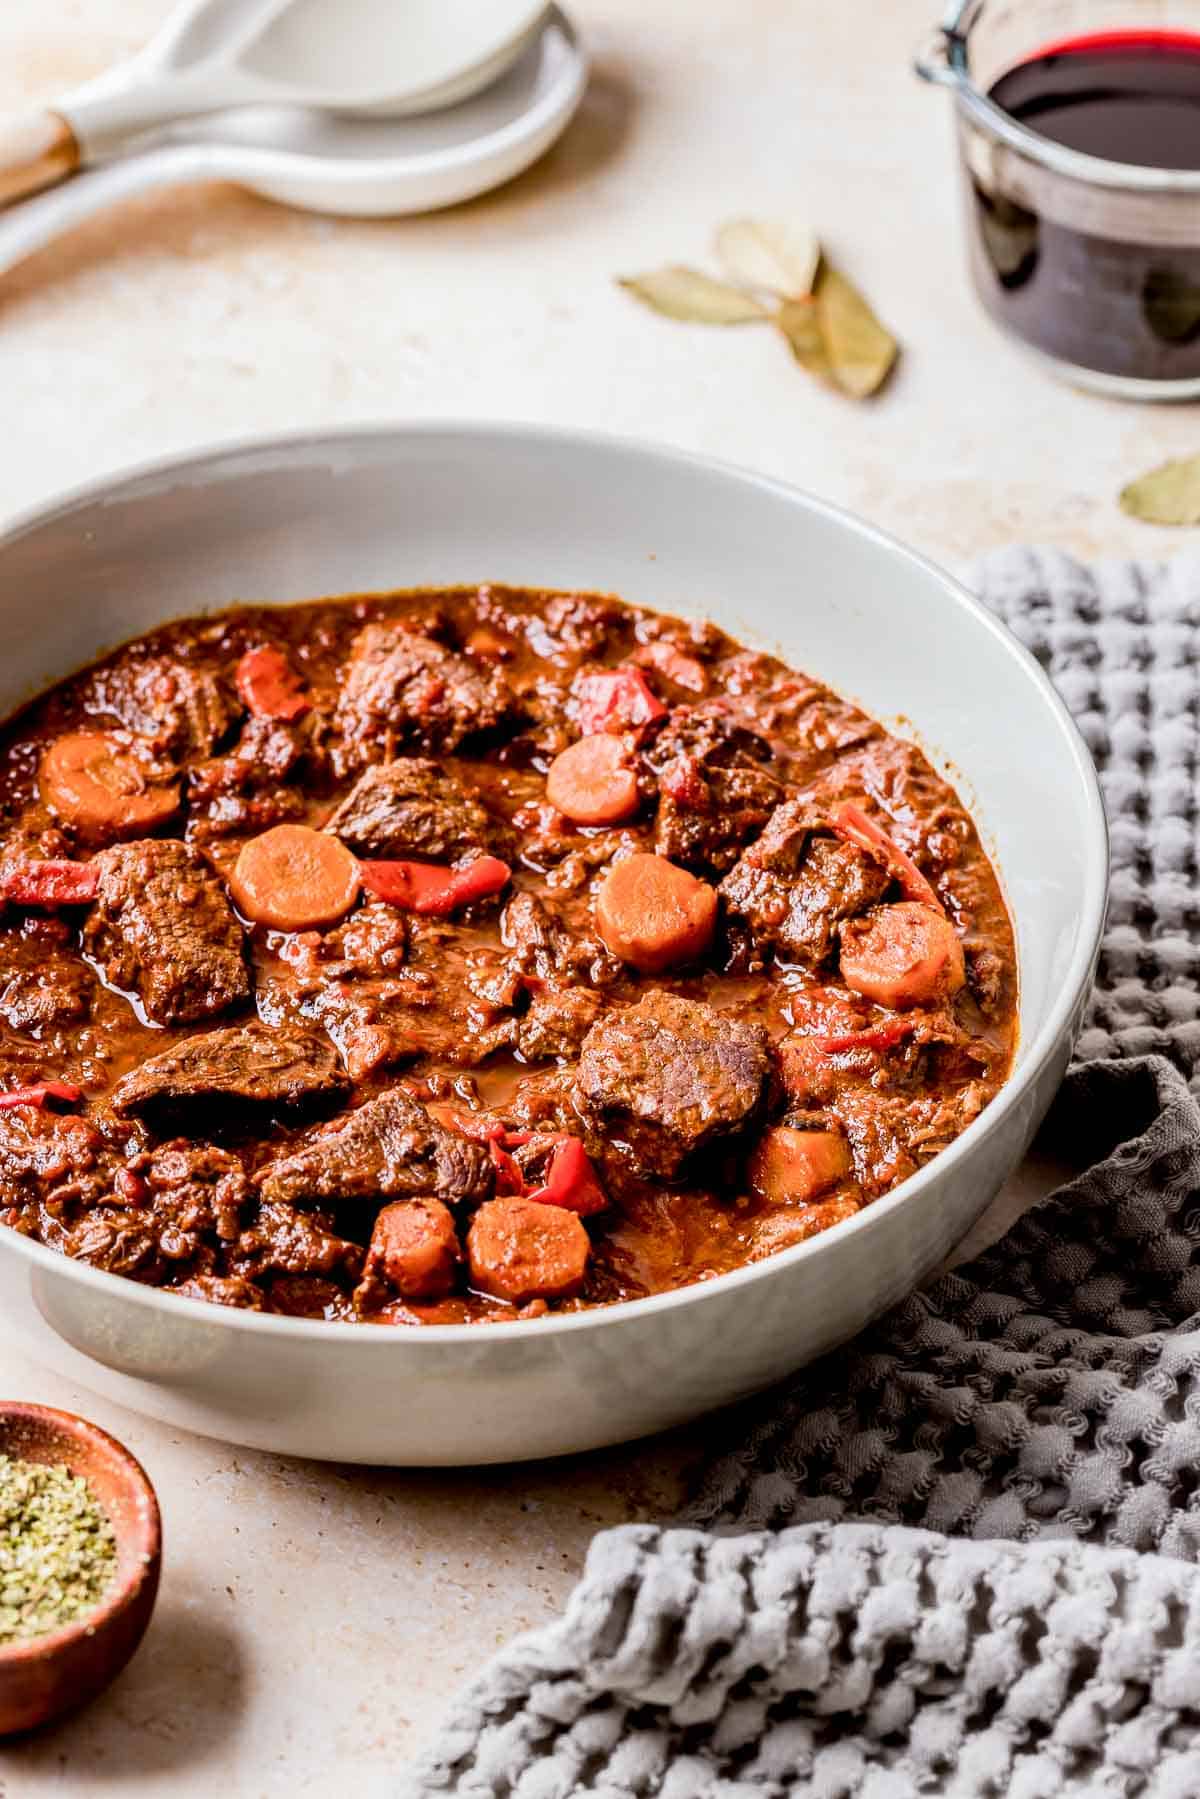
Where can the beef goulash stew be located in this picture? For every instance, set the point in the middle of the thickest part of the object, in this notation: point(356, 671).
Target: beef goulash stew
point(466, 955)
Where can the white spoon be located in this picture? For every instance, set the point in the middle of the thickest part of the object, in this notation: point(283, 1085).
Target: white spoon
point(343, 56)
point(326, 163)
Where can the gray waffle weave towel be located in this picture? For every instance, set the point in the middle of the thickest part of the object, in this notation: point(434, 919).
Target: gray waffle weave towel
point(962, 1555)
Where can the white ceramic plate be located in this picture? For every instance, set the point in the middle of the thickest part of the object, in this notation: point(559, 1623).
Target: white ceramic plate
point(411, 505)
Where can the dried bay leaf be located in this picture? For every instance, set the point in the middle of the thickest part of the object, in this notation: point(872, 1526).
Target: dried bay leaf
point(770, 254)
point(683, 293)
point(1167, 495)
point(831, 330)
point(798, 321)
point(861, 350)
point(837, 338)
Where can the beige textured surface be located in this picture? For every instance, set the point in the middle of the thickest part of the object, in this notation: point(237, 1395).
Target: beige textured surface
point(313, 1621)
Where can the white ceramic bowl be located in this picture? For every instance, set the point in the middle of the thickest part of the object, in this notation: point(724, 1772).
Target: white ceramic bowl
point(406, 506)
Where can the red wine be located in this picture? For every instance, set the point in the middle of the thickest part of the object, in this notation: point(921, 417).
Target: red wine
point(1104, 303)
point(1129, 96)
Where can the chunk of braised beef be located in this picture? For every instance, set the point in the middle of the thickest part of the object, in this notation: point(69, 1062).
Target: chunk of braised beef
point(269, 750)
point(785, 1226)
point(541, 945)
point(47, 987)
point(373, 938)
point(223, 1290)
point(228, 1075)
point(401, 689)
point(373, 941)
point(544, 1101)
point(388, 1148)
point(797, 882)
point(245, 814)
point(163, 928)
point(54, 1159)
point(672, 1076)
point(556, 1023)
point(180, 709)
point(282, 1240)
point(413, 807)
point(987, 976)
point(537, 941)
point(247, 790)
point(892, 1134)
point(715, 784)
point(575, 623)
point(121, 1240)
point(196, 1192)
point(379, 1023)
point(375, 1024)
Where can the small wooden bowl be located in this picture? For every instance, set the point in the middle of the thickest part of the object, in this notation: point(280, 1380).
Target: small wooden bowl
point(43, 1677)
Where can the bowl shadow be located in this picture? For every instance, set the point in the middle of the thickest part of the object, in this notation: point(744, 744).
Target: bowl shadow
point(141, 1727)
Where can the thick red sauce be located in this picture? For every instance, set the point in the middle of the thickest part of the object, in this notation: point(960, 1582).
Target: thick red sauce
point(790, 1100)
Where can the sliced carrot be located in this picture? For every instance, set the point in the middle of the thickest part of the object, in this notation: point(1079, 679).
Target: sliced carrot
point(94, 785)
point(415, 1249)
point(654, 915)
point(902, 955)
point(519, 1250)
point(592, 782)
point(294, 878)
point(851, 822)
point(616, 699)
point(64, 1093)
point(493, 646)
point(269, 686)
point(433, 891)
point(571, 1181)
point(682, 669)
point(50, 883)
point(790, 1164)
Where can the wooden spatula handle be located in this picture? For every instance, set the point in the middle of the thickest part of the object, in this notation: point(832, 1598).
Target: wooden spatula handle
point(37, 148)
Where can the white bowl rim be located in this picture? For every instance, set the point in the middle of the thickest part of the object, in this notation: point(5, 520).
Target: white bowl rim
point(384, 1339)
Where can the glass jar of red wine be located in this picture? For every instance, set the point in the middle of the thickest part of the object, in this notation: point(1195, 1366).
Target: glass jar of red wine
point(1079, 136)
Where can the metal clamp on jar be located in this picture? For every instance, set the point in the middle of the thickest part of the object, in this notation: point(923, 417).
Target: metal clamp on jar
point(1082, 246)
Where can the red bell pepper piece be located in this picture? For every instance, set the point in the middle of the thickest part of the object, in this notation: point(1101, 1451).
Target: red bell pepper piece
point(571, 1181)
point(851, 822)
point(431, 890)
point(878, 1037)
point(509, 1178)
point(130, 1186)
point(671, 661)
point(63, 1092)
point(499, 1139)
point(51, 883)
point(617, 699)
point(269, 686)
point(482, 1129)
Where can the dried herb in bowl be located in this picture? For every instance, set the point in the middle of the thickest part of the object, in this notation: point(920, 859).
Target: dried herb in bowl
point(58, 1549)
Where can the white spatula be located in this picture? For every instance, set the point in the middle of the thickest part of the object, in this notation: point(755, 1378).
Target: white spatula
point(343, 56)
